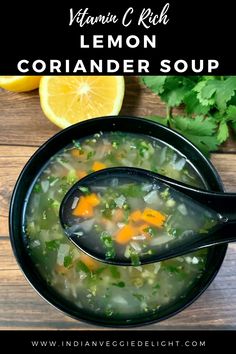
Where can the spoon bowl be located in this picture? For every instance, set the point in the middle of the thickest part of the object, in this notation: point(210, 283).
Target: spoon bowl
point(213, 215)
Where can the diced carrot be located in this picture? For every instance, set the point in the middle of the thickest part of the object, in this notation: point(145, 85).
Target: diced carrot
point(60, 269)
point(83, 209)
point(118, 215)
point(77, 153)
point(81, 174)
point(153, 217)
point(125, 234)
point(93, 199)
point(135, 216)
point(89, 261)
point(97, 165)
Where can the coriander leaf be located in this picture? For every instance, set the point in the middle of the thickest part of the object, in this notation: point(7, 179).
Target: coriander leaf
point(197, 126)
point(120, 284)
point(52, 245)
point(155, 83)
point(232, 100)
point(139, 297)
point(175, 97)
point(158, 119)
point(172, 89)
point(131, 190)
point(193, 105)
point(216, 92)
point(205, 92)
point(84, 189)
point(206, 144)
point(77, 145)
point(223, 132)
point(90, 154)
point(234, 126)
point(199, 130)
point(175, 90)
point(231, 116)
point(68, 261)
point(108, 244)
point(225, 92)
point(114, 272)
point(81, 266)
point(37, 188)
point(231, 113)
point(210, 99)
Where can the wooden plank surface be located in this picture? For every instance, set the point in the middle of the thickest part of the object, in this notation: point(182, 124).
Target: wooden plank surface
point(22, 121)
point(22, 129)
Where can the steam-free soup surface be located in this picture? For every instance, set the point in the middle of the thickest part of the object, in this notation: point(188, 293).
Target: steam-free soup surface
point(100, 289)
point(146, 218)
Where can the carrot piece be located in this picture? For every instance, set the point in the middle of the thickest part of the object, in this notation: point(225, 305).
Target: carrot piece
point(135, 216)
point(89, 261)
point(60, 269)
point(97, 165)
point(93, 199)
point(83, 209)
point(81, 174)
point(118, 215)
point(125, 234)
point(153, 217)
point(77, 153)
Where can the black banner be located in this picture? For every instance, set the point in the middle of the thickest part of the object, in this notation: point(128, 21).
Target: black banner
point(117, 341)
point(76, 38)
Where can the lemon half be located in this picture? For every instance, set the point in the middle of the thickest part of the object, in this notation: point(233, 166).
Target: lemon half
point(66, 100)
point(19, 83)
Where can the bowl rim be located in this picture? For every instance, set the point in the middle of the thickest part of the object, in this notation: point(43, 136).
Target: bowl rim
point(45, 294)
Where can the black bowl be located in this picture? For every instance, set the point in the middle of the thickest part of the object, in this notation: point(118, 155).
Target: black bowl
point(205, 169)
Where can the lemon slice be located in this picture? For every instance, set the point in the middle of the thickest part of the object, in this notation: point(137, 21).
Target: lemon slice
point(19, 83)
point(66, 100)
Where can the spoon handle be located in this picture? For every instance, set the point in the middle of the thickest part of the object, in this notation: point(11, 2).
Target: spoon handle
point(224, 233)
point(222, 203)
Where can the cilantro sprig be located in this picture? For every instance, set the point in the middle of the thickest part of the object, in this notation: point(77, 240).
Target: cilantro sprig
point(209, 104)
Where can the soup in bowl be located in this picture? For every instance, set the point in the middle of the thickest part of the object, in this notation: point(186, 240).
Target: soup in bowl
point(70, 279)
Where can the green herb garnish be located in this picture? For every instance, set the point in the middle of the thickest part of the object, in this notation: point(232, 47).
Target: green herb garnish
point(120, 284)
point(52, 245)
point(165, 194)
point(71, 177)
point(131, 190)
point(77, 145)
point(90, 154)
point(209, 103)
point(108, 244)
point(68, 261)
point(84, 189)
point(114, 272)
point(134, 259)
point(171, 268)
point(115, 144)
point(37, 188)
point(151, 231)
point(81, 267)
point(139, 297)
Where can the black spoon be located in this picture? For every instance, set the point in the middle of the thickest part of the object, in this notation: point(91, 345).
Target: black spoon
point(220, 208)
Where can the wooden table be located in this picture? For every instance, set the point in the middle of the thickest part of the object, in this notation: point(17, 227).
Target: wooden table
point(23, 128)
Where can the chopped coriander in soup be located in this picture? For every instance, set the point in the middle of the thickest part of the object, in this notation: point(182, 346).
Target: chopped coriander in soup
point(101, 289)
point(145, 218)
